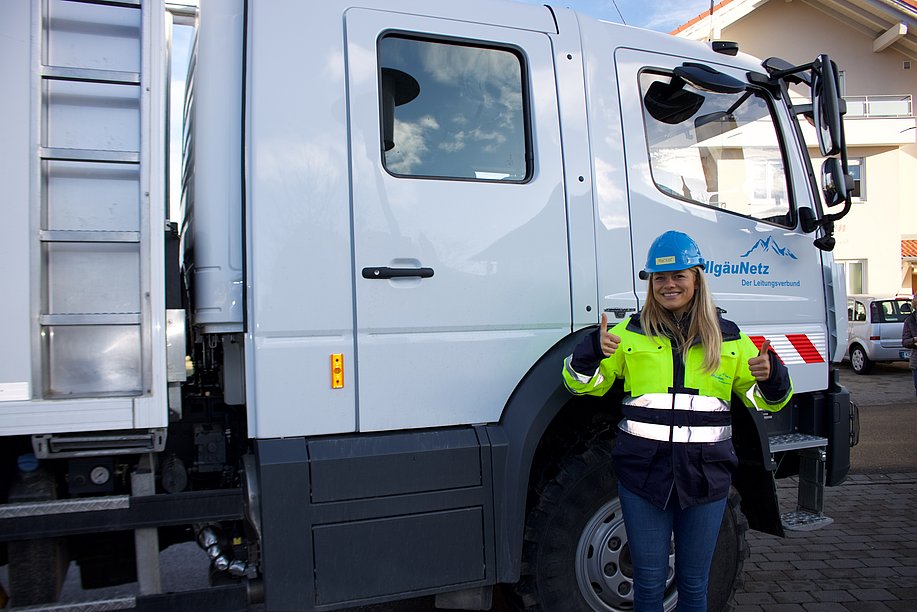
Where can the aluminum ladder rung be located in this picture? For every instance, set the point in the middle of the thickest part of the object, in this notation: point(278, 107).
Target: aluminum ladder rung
point(89, 155)
point(91, 318)
point(90, 75)
point(104, 236)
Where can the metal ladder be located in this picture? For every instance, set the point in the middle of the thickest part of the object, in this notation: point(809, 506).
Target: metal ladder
point(92, 213)
point(810, 502)
point(93, 200)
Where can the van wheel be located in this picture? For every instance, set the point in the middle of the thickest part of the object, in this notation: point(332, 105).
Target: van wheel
point(860, 363)
point(576, 557)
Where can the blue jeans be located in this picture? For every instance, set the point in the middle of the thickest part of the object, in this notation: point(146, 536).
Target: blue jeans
point(649, 535)
point(914, 373)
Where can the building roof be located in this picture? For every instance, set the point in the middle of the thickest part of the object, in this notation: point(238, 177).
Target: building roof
point(890, 23)
point(909, 248)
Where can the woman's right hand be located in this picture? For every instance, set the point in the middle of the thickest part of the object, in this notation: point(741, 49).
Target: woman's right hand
point(608, 341)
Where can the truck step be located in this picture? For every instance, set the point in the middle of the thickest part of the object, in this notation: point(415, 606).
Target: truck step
point(801, 520)
point(795, 441)
point(101, 605)
point(64, 506)
point(101, 443)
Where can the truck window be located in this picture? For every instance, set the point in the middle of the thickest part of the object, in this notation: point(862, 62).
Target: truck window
point(467, 121)
point(726, 155)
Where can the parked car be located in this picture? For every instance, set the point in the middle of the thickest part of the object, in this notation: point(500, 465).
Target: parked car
point(874, 330)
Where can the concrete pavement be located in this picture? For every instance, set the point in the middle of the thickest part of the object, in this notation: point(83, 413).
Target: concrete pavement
point(865, 561)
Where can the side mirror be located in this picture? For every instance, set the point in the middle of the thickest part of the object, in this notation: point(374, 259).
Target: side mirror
point(836, 185)
point(826, 106)
point(671, 103)
point(705, 78)
point(397, 88)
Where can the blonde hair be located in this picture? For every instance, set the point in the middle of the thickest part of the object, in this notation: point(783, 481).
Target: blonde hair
point(703, 326)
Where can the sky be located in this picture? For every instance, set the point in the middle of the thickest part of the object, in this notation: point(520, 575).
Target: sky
point(659, 15)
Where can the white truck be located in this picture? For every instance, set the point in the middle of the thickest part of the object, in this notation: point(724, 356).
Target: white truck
point(342, 376)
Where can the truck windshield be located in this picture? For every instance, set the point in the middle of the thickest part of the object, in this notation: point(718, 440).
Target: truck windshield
point(727, 154)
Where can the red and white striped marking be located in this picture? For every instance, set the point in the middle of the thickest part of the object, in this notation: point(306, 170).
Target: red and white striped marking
point(796, 349)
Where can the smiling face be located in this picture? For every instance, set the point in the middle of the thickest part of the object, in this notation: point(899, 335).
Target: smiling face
point(675, 290)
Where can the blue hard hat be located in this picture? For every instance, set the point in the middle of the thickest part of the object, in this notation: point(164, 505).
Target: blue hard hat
point(670, 252)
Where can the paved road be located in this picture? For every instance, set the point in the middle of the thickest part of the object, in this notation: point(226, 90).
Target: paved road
point(867, 560)
point(888, 419)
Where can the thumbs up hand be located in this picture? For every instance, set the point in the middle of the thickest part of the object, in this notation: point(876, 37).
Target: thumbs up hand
point(760, 366)
point(608, 341)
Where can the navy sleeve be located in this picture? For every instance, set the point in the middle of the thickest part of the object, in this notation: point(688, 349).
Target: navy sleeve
point(588, 354)
point(908, 331)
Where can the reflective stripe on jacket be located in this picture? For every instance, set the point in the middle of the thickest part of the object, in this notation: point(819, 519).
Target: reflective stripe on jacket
point(677, 429)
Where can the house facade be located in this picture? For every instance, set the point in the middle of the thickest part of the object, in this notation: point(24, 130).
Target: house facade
point(874, 43)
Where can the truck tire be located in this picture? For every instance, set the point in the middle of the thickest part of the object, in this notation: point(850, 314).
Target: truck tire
point(859, 360)
point(37, 569)
point(576, 514)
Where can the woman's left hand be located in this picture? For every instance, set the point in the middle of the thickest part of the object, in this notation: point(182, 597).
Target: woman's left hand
point(760, 366)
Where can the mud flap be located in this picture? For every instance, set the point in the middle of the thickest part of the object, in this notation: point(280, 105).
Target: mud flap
point(840, 432)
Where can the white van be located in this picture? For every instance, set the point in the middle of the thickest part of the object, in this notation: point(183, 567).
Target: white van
point(874, 330)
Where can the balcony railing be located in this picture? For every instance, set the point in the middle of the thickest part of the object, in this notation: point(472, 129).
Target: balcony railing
point(879, 106)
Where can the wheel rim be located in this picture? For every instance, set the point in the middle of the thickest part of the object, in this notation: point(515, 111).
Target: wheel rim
point(604, 571)
point(857, 359)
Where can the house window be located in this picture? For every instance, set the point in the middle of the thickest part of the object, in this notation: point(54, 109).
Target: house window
point(856, 167)
point(458, 110)
point(855, 273)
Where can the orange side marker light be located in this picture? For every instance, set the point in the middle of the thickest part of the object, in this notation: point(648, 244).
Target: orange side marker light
point(337, 370)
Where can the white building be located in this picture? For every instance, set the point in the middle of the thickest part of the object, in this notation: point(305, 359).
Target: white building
point(874, 43)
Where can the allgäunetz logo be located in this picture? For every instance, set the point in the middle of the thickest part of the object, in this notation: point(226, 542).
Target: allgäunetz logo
point(761, 248)
point(770, 245)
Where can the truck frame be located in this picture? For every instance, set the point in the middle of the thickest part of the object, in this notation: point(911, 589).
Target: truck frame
point(339, 372)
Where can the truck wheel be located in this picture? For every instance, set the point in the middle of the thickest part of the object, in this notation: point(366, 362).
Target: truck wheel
point(576, 557)
point(859, 361)
point(37, 568)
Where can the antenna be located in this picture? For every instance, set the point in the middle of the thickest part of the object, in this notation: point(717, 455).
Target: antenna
point(711, 21)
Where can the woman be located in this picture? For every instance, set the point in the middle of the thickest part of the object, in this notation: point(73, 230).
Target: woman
point(908, 333)
point(681, 364)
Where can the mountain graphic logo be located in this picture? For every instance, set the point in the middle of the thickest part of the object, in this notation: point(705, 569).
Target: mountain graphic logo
point(770, 246)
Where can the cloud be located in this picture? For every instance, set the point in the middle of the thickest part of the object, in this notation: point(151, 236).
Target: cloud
point(662, 15)
point(412, 138)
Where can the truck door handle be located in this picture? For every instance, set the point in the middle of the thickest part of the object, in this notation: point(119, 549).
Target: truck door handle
point(383, 272)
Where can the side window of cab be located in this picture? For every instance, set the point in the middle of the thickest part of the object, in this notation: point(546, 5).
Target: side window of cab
point(453, 110)
point(720, 150)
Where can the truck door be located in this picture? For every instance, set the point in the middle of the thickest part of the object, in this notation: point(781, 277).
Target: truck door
point(460, 243)
point(717, 166)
